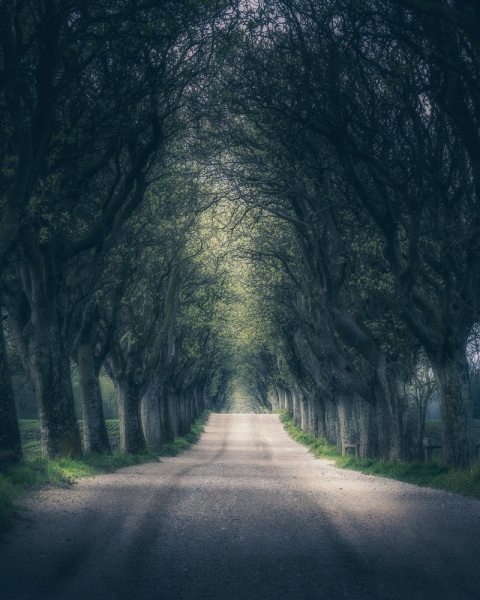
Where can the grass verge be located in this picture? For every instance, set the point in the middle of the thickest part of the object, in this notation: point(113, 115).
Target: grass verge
point(184, 442)
point(429, 474)
point(19, 480)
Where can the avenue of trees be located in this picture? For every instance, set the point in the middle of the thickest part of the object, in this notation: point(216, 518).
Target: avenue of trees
point(97, 236)
point(345, 138)
point(356, 127)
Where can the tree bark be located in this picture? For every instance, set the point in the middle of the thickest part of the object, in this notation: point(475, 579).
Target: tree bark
point(421, 418)
point(451, 373)
point(152, 421)
point(36, 316)
point(172, 411)
point(166, 416)
point(132, 439)
point(95, 436)
point(346, 423)
point(10, 443)
point(52, 384)
point(388, 413)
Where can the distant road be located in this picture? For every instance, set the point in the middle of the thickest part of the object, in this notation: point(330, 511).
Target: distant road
point(246, 514)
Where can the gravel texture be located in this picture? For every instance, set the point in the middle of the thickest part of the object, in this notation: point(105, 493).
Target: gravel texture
point(247, 514)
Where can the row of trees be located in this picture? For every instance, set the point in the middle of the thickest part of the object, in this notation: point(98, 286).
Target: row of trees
point(99, 244)
point(355, 127)
point(346, 133)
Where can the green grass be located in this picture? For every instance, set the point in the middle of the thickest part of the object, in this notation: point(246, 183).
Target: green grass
point(34, 471)
point(30, 434)
point(430, 474)
point(317, 445)
point(183, 443)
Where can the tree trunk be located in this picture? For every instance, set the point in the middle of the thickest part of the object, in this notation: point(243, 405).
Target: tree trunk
point(151, 416)
point(132, 439)
point(36, 318)
point(95, 436)
point(313, 416)
point(182, 424)
point(196, 404)
point(320, 412)
point(367, 429)
point(346, 423)
point(49, 368)
point(168, 432)
point(451, 373)
point(388, 414)
point(420, 430)
point(172, 411)
point(10, 443)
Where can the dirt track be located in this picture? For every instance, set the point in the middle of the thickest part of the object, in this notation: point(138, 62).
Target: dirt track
point(245, 514)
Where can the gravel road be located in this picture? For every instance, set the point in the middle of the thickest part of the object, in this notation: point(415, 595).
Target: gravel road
point(247, 514)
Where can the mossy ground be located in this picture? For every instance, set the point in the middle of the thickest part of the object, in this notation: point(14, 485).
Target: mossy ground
point(430, 474)
point(17, 481)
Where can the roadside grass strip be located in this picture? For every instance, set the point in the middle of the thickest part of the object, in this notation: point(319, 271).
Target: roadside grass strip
point(19, 480)
point(426, 474)
point(182, 443)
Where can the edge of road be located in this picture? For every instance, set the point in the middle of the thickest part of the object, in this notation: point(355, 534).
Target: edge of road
point(31, 475)
point(424, 474)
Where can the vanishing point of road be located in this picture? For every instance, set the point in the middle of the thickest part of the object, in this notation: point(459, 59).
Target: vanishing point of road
point(245, 514)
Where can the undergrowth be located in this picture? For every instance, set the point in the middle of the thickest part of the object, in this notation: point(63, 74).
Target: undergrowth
point(430, 474)
point(17, 481)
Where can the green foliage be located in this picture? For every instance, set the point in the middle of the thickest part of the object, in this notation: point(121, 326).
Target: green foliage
point(429, 474)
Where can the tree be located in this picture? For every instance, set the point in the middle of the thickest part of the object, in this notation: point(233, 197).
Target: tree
point(107, 127)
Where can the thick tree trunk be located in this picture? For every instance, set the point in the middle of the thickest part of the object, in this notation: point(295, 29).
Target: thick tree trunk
point(312, 409)
point(36, 317)
point(346, 422)
point(49, 368)
point(172, 412)
point(182, 419)
point(331, 421)
point(451, 373)
point(10, 444)
point(297, 409)
point(196, 404)
point(303, 410)
point(190, 410)
point(421, 418)
point(320, 412)
point(289, 402)
point(95, 436)
point(132, 439)
point(388, 414)
point(367, 429)
point(166, 417)
point(152, 416)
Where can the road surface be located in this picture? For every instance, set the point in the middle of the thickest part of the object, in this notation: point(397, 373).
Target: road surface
point(245, 514)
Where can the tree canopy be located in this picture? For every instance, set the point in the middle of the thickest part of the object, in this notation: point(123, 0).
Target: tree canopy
point(274, 199)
